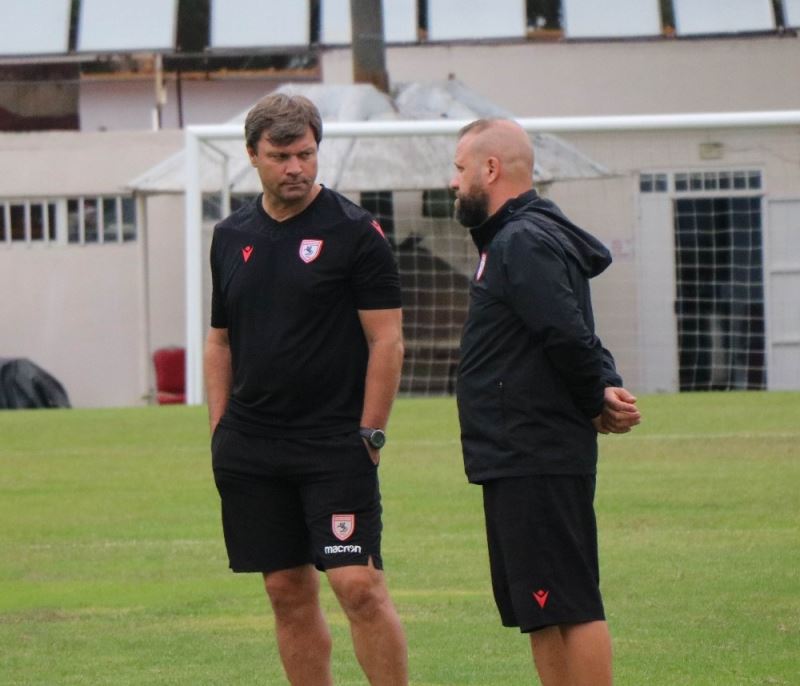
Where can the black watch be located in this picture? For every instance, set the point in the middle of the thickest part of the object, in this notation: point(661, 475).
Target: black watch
point(375, 437)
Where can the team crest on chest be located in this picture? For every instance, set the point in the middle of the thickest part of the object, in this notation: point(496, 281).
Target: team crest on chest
point(343, 525)
point(310, 250)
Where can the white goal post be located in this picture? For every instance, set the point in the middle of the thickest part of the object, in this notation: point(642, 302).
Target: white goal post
point(198, 137)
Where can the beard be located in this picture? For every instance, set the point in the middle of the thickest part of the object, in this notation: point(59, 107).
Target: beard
point(472, 209)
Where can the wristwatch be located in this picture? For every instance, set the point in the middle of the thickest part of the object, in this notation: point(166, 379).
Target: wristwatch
point(375, 437)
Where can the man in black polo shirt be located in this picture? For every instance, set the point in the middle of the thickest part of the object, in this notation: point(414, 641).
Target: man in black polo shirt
point(302, 365)
point(535, 386)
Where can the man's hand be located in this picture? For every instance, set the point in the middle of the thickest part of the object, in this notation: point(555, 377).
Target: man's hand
point(374, 453)
point(619, 414)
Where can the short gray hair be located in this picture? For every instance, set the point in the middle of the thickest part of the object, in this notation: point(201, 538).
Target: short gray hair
point(478, 126)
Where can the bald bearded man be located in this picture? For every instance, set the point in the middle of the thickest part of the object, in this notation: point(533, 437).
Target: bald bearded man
point(535, 387)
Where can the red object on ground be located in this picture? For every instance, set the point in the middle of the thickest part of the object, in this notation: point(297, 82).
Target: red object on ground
point(170, 364)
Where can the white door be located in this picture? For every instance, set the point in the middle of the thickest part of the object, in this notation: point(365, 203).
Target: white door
point(783, 295)
point(656, 267)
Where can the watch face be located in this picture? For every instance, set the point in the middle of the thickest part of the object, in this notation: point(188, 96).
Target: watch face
point(377, 439)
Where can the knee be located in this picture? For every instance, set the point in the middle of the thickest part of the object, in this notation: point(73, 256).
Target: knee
point(361, 595)
point(290, 592)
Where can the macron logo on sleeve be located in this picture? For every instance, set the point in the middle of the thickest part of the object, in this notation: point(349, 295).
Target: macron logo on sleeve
point(246, 252)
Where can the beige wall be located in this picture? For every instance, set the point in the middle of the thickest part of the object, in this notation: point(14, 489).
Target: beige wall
point(92, 315)
point(529, 78)
point(130, 105)
point(606, 208)
point(79, 311)
point(614, 77)
point(71, 163)
point(167, 270)
point(76, 312)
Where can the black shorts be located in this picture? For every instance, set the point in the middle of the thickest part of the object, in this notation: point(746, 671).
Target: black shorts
point(542, 537)
point(287, 503)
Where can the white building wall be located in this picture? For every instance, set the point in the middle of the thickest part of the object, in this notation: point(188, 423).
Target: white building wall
point(591, 78)
point(128, 105)
point(76, 313)
point(529, 78)
point(166, 269)
point(80, 311)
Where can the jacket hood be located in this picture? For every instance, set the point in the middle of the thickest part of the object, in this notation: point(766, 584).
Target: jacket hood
point(588, 252)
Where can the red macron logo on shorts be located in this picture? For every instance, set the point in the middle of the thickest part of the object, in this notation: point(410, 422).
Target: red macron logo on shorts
point(540, 597)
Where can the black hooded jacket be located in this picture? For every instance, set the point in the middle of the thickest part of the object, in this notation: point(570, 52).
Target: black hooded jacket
point(532, 371)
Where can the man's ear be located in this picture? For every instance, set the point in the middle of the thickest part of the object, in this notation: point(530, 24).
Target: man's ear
point(492, 169)
point(252, 155)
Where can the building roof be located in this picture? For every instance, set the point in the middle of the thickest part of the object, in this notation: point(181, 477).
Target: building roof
point(372, 163)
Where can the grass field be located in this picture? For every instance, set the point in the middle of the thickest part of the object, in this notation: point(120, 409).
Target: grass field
point(113, 571)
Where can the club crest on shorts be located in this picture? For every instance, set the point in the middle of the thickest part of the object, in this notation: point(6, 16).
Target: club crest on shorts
point(310, 250)
point(343, 525)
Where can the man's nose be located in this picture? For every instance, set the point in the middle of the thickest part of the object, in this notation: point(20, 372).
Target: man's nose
point(293, 165)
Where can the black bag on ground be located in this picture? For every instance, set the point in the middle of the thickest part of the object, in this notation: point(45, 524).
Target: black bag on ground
point(26, 385)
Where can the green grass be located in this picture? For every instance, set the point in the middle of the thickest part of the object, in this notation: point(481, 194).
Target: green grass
point(113, 570)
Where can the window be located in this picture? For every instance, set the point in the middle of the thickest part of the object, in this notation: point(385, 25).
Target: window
point(128, 219)
point(27, 221)
point(500, 19)
point(739, 180)
point(124, 26)
point(653, 183)
point(380, 204)
point(438, 203)
point(212, 204)
point(90, 223)
point(107, 219)
point(17, 222)
point(699, 17)
point(35, 27)
point(719, 281)
point(268, 24)
point(611, 19)
point(720, 292)
point(544, 14)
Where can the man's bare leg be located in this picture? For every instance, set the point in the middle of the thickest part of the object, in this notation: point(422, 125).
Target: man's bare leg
point(589, 653)
point(304, 641)
point(549, 657)
point(378, 637)
point(573, 654)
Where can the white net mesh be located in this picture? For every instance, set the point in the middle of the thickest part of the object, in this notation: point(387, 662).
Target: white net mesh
point(720, 293)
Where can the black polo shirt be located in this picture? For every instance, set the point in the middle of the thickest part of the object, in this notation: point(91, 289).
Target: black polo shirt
point(289, 294)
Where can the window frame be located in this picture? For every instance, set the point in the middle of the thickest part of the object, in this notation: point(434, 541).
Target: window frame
point(63, 220)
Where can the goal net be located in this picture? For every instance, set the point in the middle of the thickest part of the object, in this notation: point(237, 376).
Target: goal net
point(435, 257)
point(695, 299)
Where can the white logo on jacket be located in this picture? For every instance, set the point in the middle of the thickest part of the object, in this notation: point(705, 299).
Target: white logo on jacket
point(481, 267)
